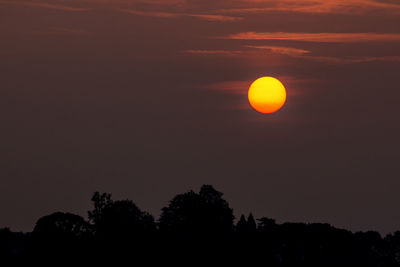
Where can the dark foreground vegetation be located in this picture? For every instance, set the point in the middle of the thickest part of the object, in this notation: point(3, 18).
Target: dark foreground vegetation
point(194, 229)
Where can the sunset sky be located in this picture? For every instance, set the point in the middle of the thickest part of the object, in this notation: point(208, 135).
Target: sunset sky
point(148, 98)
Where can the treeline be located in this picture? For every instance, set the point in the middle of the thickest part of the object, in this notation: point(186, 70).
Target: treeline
point(195, 228)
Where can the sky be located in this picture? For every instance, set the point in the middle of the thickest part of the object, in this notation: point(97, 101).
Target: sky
point(146, 99)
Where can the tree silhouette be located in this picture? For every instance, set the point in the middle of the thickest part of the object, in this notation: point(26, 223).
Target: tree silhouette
point(124, 218)
point(241, 226)
point(251, 224)
point(206, 213)
point(11, 245)
point(58, 235)
point(100, 202)
point(393, 248)
point(265, 224)
point(119, 219)
point(193, 227)
point(61, 224)
point(246, 226)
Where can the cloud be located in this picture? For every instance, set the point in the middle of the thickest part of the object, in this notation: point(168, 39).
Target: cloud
point(317, 37)
point(213, 52)
point(290, 52)
point(305, 54)
point(316, 6)
point(219, 11)
point(46, 5)
point(218, 8)
point(234, 87)
point(172, 15)
point(166, 15)
point(338, 60)
point(281, 50)
point(240, 87)
point(257, 6)
point(214, 17)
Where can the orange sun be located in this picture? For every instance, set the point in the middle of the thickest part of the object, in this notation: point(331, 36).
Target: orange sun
point(267, 95)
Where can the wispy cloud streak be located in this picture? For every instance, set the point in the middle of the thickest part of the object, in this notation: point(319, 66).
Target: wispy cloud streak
point(214, 52)
point(171, 15)
point(166, 15)
point(316, 37)
point(213, 17)
point(290, 51)
point(293, 53)
point(315, 6)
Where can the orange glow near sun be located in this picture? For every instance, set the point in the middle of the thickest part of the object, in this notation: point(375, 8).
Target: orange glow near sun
point(267, 95)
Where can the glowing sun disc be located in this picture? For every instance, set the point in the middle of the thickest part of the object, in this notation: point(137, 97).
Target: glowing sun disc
point(267, 95)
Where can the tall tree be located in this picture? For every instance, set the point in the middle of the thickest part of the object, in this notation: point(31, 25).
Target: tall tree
point(241, 226)
point(100, 202)
point(251, 224)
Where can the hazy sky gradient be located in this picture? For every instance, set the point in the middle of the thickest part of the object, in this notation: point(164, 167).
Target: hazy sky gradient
point(147, 99)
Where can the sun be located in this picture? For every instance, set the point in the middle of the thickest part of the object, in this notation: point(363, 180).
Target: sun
point(267, 95)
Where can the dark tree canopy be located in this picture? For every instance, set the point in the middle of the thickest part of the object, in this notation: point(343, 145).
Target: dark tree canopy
point(62, 224)
point(119, 218)
point(203, 213)
point(265, 224)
